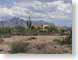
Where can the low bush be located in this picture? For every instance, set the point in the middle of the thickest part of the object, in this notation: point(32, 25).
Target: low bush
point(1, 40)
point(19, 47)
point(32, 38)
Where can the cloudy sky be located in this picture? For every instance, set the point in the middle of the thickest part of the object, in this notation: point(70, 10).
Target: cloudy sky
point(48, 10)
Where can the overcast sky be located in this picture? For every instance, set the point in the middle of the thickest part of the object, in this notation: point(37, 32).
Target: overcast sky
point(38, 9)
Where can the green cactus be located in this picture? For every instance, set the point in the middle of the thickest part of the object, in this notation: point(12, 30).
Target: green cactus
point(29, 23)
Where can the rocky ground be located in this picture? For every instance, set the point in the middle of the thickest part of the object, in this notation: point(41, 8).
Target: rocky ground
point(34, 45)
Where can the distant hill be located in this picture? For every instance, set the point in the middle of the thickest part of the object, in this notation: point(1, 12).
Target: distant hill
point(19, 22)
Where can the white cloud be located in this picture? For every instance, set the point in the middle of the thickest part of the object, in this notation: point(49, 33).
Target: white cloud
point(5, 11)
point(60, 7)
point(19, 11)
point(65, 7)
point(56, 9)
point(14, 11)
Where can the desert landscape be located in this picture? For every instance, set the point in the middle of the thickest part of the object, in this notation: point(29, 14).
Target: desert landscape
point(35, 39)
point(35, 27)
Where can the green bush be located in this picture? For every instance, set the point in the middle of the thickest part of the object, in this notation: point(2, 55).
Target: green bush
point(19, 47)
point(5, 30)
point(69, 38)
point(19, 29)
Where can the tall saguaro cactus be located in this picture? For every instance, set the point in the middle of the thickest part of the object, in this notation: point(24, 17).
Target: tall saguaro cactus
point(29, 23)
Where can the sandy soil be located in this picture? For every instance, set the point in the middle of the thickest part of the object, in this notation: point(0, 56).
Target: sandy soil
point(47, 40)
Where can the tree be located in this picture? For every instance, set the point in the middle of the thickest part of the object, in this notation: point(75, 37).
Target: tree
point(62, 30)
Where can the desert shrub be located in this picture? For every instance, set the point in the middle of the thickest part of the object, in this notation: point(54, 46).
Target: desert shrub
point(57, 41)
point(20, 29)
point(33, 28)
point(1, 40)
point(69, 38)
point(60, 41)
point(52, 29)
point(5, 30)
point(19, 47)
point(46, 48)
point(62, 31)
point(32, 38)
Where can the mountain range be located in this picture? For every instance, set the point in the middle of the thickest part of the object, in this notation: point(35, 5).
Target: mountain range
point(19, 22)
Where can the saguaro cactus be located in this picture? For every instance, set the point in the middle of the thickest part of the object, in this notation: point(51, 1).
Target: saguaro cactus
point(29, 23)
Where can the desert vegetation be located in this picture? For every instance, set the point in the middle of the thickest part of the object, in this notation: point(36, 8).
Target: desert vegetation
point(21, 40)
point(42, 39)
point(20, 30)
point(36, 26)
